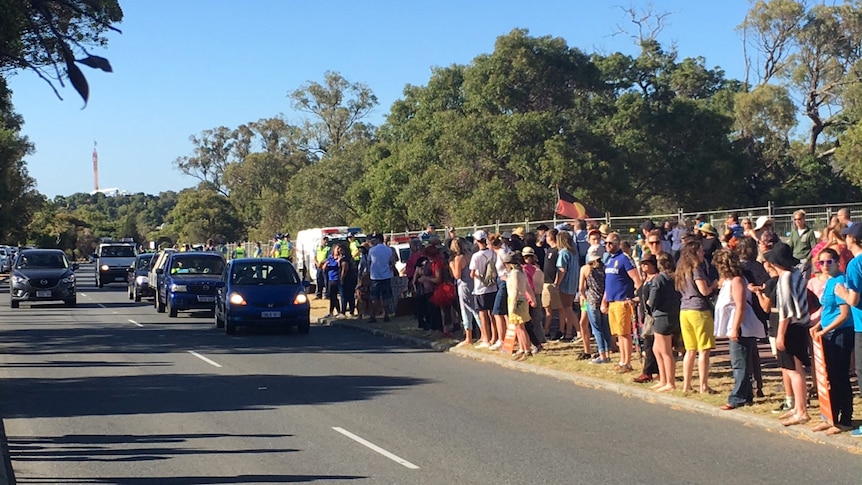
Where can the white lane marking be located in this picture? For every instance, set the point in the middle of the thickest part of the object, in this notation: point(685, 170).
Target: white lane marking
point(364, 442)
point(201, 357)
point(103, 306)
point(136, 323)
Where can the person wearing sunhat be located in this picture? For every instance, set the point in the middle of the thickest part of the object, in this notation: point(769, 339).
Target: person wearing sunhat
point(763, 223)
point(793, 321)
point(520, 298)
point(850, 291)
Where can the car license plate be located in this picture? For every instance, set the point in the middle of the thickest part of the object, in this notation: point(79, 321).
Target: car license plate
point(270, 314)
point(43, 294)
point(206, 298)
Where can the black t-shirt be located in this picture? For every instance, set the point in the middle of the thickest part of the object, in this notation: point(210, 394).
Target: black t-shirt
point(550, 265)
point(710, 246)
point(770, 289)
point(755, 274)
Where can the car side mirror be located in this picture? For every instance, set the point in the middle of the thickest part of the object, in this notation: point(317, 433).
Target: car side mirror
point(75, 266)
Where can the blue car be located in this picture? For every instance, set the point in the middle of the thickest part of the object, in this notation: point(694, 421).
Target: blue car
point(187, 281)
point(264, 292)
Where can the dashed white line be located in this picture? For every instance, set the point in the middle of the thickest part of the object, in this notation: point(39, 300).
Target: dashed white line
point(201, 357)
point(136, 323)
point(364, 442)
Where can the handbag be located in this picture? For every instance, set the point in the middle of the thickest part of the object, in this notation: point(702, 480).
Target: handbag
point(649, 323)
point(444, 294)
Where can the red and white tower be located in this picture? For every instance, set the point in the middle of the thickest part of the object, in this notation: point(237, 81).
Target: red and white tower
point(95, 168)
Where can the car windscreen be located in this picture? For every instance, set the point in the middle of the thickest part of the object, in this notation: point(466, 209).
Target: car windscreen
point(263, 273)
point(117, 252)
point(210, 265)
point(41, 260)
point(144, 262)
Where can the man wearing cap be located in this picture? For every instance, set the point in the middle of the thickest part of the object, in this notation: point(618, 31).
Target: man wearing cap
point(850, 293)
point(275, 252)
point(762, 223)
point(485, 294)
point(621, 281)
point(381, 260)
point(353, 245)
point(320, 255)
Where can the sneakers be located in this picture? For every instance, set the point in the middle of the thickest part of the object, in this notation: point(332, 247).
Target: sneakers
point(481, 345)
point(599, 360)
point(856, 433)
point(785, 406)
point(623, 368)
point(497, 345)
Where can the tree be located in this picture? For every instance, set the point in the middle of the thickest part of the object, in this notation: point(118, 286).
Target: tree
point(337, 108)
point(18, 196)
point(44, 35)
point(201, 214)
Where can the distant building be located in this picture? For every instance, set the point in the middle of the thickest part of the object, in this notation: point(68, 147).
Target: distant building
point(114, 192)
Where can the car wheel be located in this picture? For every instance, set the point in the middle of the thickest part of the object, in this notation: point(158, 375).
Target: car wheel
point(71, 302)
point(304, 327)
point(219, 323)
point(13, 303)
point(160, 307)
point(229, 328)
point(172, 312)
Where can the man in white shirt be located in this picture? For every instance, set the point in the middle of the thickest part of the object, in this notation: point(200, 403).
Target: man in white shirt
point(381, 260)
point(485, 294)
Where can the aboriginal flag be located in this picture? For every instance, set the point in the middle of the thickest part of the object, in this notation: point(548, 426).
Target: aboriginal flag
point(569, 206)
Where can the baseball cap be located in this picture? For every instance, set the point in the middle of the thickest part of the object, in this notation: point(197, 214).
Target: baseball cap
point(761, 221)
point(480, 235)
point(854, 230)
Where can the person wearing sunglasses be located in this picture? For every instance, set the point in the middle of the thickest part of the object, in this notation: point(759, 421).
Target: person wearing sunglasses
point(621, 281)
point(836, 330)
point(802, 241)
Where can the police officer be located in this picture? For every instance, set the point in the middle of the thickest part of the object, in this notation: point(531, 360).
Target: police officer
point(276, 246)
point(354, 245)
point(239, 251)
point(286, 248)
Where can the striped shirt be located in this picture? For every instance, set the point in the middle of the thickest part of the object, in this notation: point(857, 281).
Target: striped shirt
point(793, 298)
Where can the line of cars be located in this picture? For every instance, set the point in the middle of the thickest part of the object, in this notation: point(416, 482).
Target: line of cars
point(263, 292)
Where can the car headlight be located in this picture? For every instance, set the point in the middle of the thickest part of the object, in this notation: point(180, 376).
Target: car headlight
point(300, 299)
point(68, 279)
point(179, 288)
point(142, 280)
point(236, 299)
point(104, 267)
point(18, 279)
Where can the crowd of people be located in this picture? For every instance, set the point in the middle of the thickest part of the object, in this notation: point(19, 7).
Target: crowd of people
point(670, 292)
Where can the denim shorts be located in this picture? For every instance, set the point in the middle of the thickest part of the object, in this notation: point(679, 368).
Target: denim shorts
point(501, 302)
point(381, 290)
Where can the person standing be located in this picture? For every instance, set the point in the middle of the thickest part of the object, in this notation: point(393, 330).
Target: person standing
point(836, 330)
point(791, 339)
point(484, 291)
point(592, 289)
point(258, 251)
point(519, 299)
point(380, 263)
point(844, 217)
point(239, 251)
point(568, 273)
point(663, 300)
point(621, 280)
point(459, 266)
point(736, 320)
point(550, 292)
point(320, 256)
point(850, 291)
point(695, 314)
point(802, 241)
point(333, 276)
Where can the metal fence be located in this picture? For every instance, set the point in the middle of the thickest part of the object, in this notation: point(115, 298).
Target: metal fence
point(817, 217)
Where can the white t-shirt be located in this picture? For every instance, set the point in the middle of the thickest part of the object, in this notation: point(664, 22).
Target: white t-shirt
point(380, 256)
point(478, 262)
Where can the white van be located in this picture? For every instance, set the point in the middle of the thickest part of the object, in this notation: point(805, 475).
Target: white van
point(306, 243)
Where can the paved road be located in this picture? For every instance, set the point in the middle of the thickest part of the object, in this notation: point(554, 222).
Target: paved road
point(112, 392)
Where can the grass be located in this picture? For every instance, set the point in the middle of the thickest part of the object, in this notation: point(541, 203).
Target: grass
point(562, 356)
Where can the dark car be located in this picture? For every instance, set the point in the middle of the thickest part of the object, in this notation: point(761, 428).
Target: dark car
point(265, 292)
point(138, 279)
point(188, 282)
point(42, 275)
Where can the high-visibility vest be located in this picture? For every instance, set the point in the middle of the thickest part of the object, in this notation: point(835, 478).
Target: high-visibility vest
point(354, 249)
point(285, 250)
point(322, 254)
point(239, 252)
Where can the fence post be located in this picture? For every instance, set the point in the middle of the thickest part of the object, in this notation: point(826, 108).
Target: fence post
point(680, 215)
point(770, 207)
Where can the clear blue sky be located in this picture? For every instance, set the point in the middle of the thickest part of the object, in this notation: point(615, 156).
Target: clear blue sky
point(181, 67)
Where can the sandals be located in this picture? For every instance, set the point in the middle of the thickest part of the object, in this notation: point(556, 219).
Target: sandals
point(584, 356)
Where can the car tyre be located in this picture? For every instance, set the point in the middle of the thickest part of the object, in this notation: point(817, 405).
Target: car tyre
point(304, 328)
point(219, 323)
point(172, 312)
point(160, 307)
point(14, 303)
point(137, 294)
